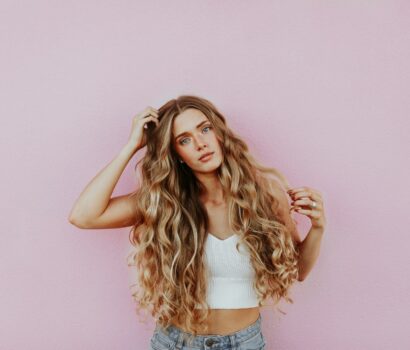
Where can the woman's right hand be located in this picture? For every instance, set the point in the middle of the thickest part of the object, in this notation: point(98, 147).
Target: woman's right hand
point(138, 136)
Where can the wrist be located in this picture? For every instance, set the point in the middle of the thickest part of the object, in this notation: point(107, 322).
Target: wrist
point(318, 228)
point(129, 150)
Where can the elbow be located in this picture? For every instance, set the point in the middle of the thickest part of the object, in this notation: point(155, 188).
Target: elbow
point(71, 220)
point(76, 222)
point(77, 218)
point(301, 276)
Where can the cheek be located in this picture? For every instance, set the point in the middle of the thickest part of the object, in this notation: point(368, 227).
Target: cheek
point(185, 152)
point(216, 143)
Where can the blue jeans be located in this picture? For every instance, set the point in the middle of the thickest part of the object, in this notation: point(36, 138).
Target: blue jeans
point(249, 338)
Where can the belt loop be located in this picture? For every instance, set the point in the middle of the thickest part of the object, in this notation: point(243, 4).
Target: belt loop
point(233, 341)
point(180, 341)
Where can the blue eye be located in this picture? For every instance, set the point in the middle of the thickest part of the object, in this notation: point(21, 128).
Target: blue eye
point(182, 141)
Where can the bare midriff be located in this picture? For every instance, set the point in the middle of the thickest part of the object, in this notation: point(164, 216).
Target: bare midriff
point(226, 321)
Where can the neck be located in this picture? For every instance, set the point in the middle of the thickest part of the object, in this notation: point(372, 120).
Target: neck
point(212, 189)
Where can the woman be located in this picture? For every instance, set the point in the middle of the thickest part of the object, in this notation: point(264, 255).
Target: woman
point(213, 233)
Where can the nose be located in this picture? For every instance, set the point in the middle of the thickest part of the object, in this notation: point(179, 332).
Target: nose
point(200, 143)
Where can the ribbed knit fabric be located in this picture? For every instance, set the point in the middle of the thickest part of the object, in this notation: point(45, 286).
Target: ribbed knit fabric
point(231, 274)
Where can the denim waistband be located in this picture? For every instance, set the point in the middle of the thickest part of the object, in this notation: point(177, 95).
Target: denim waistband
point(179, 337)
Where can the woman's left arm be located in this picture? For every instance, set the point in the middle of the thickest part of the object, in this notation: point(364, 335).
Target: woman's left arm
point(309, 251)
point(309, 202)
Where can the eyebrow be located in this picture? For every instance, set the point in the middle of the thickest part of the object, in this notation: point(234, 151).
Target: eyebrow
point(198, 126)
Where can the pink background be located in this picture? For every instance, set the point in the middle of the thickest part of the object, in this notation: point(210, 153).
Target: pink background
point(318, 89)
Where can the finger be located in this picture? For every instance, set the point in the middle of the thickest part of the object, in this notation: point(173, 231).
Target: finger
point(155, 114)
point(149, 119)
point(302, 206)
point(149, 111)
point(308, 195)
point(306, 202)
point(304, 194)
point(142, 115)
point(149, 114)
point(314, 214)
point(304, 189)
point(153, 111)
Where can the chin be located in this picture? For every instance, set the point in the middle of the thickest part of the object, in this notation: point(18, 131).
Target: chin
point(209, 167)
point(213, 166)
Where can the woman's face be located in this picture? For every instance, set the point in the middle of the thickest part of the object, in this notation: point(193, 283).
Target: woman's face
point(193, 136)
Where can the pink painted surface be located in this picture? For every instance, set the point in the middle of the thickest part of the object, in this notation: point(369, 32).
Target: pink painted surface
point(319, 90)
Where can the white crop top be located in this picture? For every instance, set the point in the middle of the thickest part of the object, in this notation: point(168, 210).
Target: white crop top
point(231, 274)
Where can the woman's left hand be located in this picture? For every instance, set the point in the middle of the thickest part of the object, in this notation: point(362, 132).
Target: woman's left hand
point(308, 201)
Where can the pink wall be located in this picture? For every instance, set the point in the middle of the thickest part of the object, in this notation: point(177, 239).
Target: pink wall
point(319, 89)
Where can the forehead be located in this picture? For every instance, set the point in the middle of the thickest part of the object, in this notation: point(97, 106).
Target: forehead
point(187, 120)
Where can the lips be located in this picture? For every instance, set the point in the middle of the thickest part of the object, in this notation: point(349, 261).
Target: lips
point(206, 154)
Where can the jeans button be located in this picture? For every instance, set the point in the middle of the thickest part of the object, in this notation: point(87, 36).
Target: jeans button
point(209, 342)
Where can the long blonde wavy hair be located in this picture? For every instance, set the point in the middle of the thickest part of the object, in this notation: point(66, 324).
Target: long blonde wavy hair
point(171, 224)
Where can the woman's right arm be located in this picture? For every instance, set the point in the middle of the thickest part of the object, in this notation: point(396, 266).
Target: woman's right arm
point(95, 209)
